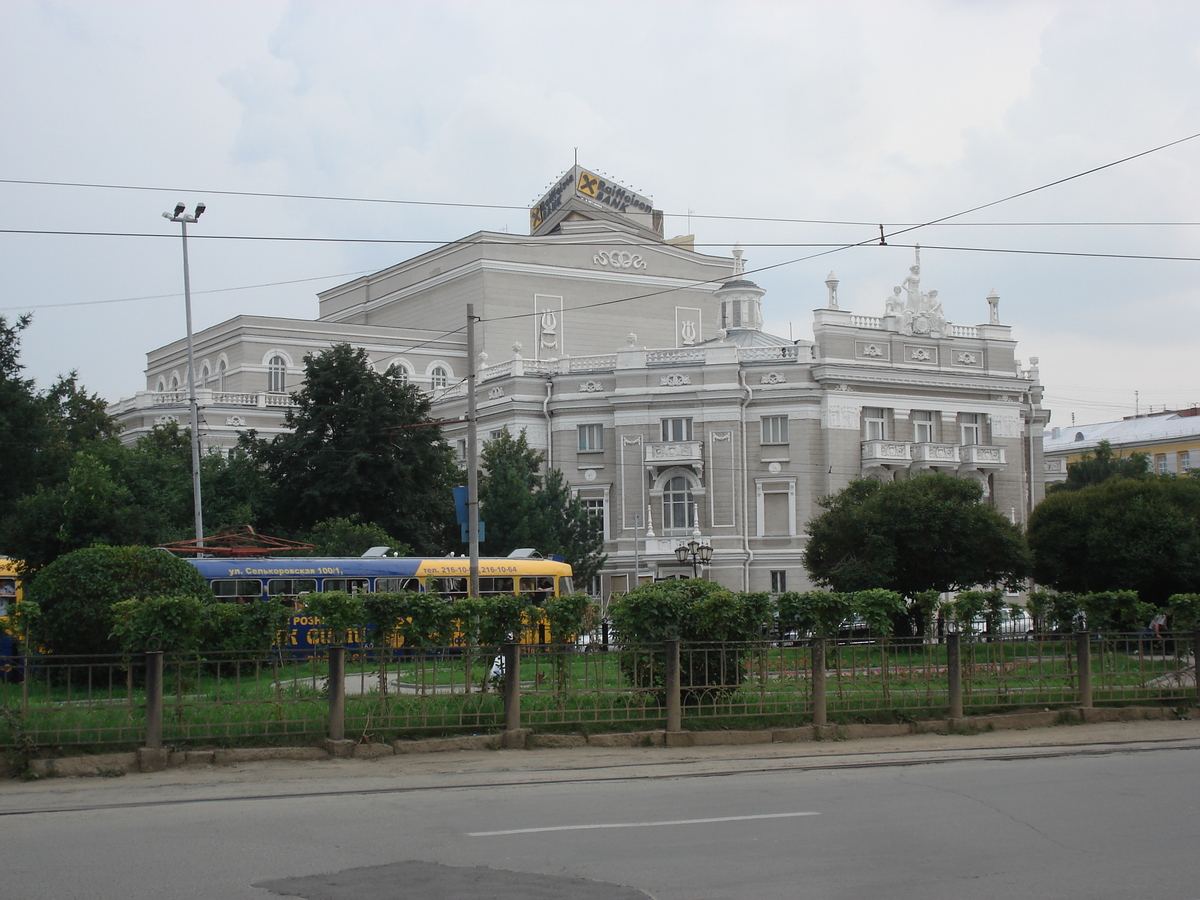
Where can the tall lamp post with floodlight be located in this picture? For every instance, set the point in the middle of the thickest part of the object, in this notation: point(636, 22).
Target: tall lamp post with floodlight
point(696, 552)
point(184, 219)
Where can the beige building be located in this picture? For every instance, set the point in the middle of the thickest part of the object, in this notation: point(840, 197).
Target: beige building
point(1170, 439)
point(641, 368)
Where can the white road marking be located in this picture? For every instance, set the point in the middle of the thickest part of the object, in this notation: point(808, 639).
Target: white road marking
point(786, 815)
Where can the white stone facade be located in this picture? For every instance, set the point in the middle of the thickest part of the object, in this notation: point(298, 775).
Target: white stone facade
point(640, 368)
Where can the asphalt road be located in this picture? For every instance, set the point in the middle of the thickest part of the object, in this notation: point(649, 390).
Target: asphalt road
point(1089, 811)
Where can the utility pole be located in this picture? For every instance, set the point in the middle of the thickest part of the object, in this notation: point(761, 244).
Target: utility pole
point(472, 459)
point(183, 219)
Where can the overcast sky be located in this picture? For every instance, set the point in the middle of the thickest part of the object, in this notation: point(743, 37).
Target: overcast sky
point(891, 112)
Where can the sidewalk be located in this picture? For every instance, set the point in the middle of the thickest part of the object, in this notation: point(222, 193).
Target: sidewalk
point(739, 751)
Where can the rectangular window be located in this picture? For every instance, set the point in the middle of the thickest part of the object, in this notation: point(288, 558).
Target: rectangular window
point(594, 588)
point(874, 423)
point(237, 589)
point(594, 506)
point(291, 587)
point(778, 582)
point(460, 447)
point(495, 585)
point(591, 438)
point(775, 514)
point(774, 429)
point(971, 428)
point(349, 585)
point(922, 426)
point(396, 585)
point(1160, 463)
point(676, 429)
point(1185, 461)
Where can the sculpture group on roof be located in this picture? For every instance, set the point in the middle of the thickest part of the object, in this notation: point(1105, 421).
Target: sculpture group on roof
point(918, 312)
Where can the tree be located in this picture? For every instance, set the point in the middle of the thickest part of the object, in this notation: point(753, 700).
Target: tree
point(523, 508)
point(930, 532)
point(351, 537)
point(1103, 465)
point(362, 443)
point(1140, 534)
point(74, 595)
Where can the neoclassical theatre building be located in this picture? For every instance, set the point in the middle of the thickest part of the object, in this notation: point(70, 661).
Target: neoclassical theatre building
point(641, 369)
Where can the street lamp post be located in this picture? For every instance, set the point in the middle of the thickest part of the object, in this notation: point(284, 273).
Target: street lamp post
point(696, 552)
point(184, 219)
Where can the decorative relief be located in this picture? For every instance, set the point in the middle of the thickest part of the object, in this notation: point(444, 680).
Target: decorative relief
point(675, 380)
point(844, 388)
point(590, 387)
point(688, 333)
point(773, 378)
point(549, 329)
point(872, 350)
point(921, 354)
point(619, 259)
point(167, 420)
point(842, 417)
point(236, 421)
point(589, 475)
point(496, 393)
point(774, 468)
point(967, 359)
point(1006, 425)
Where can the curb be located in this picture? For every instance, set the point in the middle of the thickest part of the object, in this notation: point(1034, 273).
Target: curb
point(148, 760)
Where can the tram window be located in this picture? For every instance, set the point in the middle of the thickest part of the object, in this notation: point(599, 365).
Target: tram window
point(567, 586)
point(501, 585)
point(290, 587)
point(537, 588)
point(349, 585)
point(452, 587)
point(393, 585)
point(238, 590)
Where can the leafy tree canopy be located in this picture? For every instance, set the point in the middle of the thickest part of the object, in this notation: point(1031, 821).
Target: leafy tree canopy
point(75, 594)
point(352, 537)
point(930, 532)
point(523, 508)
point(1101, 466)
point(1122, 534)
point(362, 443)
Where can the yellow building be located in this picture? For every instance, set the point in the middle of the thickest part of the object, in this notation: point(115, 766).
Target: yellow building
point(1170, 439)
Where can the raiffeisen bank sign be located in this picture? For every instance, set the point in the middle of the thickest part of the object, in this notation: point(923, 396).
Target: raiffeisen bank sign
point(585, 192)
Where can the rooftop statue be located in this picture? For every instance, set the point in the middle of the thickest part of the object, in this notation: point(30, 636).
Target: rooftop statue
point(920, 312)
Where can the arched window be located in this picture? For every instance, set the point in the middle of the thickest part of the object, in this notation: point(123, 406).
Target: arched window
point(221, 367)
point(203, 376)
point(678, 506)
point(276, 375)
point(438, 378)
point(400, 373)
point(160, 386)
point(174, 382)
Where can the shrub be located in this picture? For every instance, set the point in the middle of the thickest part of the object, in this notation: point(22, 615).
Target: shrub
point(173, 622)
point(75, 594)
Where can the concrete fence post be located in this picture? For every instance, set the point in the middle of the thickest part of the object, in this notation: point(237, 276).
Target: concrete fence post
point(1083, 662)
point(512, 686)
point(820, 708)
point(337, 692)
point(954, 673)
point(672, 686)
point(154, 699)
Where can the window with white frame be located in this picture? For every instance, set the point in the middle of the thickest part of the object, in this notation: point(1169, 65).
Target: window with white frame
point(677, 429)
point(402, 374)
point(439, 377)
point(678, 504)
point(922, 420)
point(591, 438)
point(778, 581)
point(174, 382)
point(276, 375)
point(774, 429)
point(160, 386)
point(222, 368)
point(204, 376)
point(1160, 463)
point(970, 427)
point(874, 423)
point(460, 447)
point(594, 506)
point(1185, 460)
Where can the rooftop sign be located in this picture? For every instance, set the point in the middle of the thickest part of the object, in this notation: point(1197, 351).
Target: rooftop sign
point(580, 184)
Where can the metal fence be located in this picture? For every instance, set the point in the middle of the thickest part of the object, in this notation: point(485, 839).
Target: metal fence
point(53, 703)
